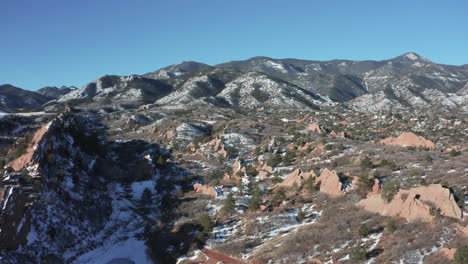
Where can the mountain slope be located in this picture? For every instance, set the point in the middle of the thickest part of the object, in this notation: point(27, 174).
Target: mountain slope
point(176, 70)
point(230, 88)
point(121, 89)
point(404, 78)
point(13, 98)
point(55, 92)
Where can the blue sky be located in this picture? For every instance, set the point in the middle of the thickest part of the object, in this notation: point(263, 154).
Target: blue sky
point(66, 42)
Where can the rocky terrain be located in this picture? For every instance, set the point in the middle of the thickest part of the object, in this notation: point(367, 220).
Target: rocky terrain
point(257, 161)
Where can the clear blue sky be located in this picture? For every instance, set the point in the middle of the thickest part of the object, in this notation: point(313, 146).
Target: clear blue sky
point(72, 42)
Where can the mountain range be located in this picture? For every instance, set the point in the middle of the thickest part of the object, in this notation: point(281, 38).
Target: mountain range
point(407, 82)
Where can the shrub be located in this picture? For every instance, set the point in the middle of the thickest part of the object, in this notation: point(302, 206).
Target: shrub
point(364, 184)
point(274, 160)
point(363, 230)
point(309, 185)
point(461, 256)
point(289, 157)
point(300, 215)
point(358, 253)
point(391, 226)
point(454, 153)
point(276, 178)
point(251, 170)
point(366, 163)
point(389, 189)
point(279, 197)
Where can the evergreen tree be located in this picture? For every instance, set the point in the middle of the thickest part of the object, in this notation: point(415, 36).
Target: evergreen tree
point(146, 198)
point(229, 203)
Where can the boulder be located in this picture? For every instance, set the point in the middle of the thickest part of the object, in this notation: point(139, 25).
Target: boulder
point(329, 183)
point(408, 139)
point(314, 127)
point(415, 204)
point(208, 190)
point(25, 159)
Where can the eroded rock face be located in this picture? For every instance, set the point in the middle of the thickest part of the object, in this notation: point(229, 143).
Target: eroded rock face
point(296, 178)
point(14, 222)
point(208, 190)
point(25, 159)
point(408, 139)
point(329, 183)
point(375, 188)
point(415, 204)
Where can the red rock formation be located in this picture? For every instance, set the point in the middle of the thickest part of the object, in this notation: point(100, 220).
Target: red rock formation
point(375, 188)
point(262, 175)
point(233, 178)
point(329, 183)
point(314, 261)
point(314, 127)
point(169, 134)
point(408, 139)
point(191, 147)
point(448, 253)
point(415, 203)
point(338, 134)
point(296, 178)
point(208, 190)
point(25, 159)
point(304, 148)
point(463, 230)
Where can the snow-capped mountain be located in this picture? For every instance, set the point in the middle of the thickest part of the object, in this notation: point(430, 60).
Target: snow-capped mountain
point(176, 70)
point(133, 88)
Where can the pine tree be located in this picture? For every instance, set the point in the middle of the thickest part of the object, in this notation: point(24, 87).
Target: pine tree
point(146, 197)
point(229, 203)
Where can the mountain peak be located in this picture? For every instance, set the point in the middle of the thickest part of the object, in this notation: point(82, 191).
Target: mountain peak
point(412, 57)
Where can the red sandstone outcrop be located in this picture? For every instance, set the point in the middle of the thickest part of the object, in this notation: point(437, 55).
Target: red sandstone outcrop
point(408, 139)
point(329, 182)
point(296, 178)
point(338, 134)
point(217, 146)
point(463, 230)
point(208, 190)
point(375, 188)
point(448, 253)
point(23, 161)
point(305, 147)
point(415, 203)
point(314, 127)
point(314, 261)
